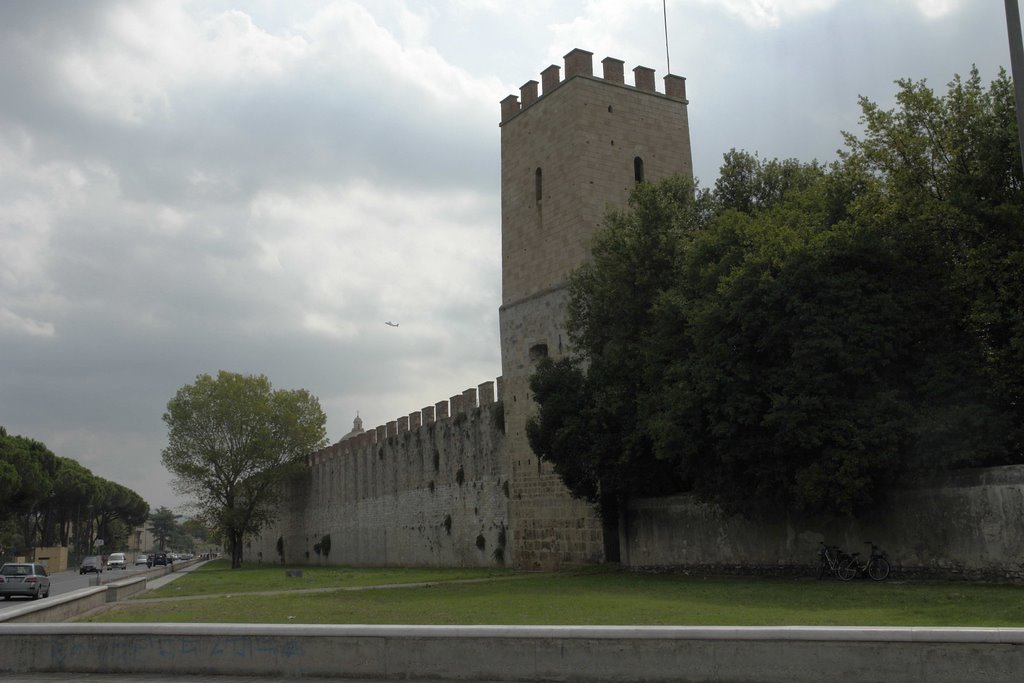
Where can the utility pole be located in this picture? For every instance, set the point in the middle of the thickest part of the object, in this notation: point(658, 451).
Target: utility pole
point(1016, 65)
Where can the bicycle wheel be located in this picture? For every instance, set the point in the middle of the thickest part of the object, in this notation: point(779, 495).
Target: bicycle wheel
point(878, 568)
point(820, 574)
point(847, 568)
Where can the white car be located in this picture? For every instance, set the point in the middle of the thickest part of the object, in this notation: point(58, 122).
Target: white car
point(141, 559)
point(117, 561)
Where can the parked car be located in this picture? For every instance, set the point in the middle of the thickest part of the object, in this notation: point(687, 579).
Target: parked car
point(24, 578)
point(117, 561)
point(93, 564)
point(158, 560)
point(141, 559)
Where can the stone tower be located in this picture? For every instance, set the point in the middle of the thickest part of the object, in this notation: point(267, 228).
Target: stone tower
point(567, 154)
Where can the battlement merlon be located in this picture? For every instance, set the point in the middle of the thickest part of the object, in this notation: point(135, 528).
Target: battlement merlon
point(482, 395)
point(581, 63)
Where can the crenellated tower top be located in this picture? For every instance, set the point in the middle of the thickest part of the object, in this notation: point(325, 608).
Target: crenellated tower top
point(581, 63)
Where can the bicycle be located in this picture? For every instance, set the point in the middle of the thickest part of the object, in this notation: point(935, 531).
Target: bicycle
point(877, 565)
point(832, 559)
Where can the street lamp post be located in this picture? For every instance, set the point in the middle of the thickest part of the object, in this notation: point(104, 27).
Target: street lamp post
point(1016, 65)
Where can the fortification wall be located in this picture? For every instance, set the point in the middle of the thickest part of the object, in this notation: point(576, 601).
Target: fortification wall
point(570, 149)
point(570, 152)
point(961, 524)
point(549, 528)
point(426, 489)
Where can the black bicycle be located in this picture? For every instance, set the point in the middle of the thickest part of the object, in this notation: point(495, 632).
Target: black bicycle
point(876, 567)
point(833, 560)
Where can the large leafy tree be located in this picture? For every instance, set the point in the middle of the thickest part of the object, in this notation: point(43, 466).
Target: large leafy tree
point(588, 423)
point(53, 500)
point(164, 526)
point(803, 336)
point(947, 169)
point(193, 532)
point(117, 510)
point(31, 464)
point(827, 364)
point(74, 496)
point(232, 441)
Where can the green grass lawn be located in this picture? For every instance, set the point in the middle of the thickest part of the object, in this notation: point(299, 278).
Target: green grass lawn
point(601, 596)
point(217, 578)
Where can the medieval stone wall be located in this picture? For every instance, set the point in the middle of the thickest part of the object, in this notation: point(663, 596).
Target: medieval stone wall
point(550, 528)
point(570, 150)
point(419, 491)
point(958, 524)
point(456, 484)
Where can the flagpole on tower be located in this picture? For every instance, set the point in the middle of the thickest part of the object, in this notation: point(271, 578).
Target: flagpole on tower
point(664, 14)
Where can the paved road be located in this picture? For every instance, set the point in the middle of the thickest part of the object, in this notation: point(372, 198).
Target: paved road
point(71, 580)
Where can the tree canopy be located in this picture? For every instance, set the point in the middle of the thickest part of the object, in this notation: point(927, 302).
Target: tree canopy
point(232, 442)
point(803, 336)
point(164, 527)
point(46, 500)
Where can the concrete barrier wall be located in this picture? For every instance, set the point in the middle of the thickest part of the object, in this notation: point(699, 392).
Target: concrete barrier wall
point(501, 653)
point(58, 607)
point(119, 590)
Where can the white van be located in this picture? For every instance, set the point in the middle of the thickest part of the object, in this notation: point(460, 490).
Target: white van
point(117, 561)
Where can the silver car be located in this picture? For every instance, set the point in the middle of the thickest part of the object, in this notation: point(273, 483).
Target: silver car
point(24, 578)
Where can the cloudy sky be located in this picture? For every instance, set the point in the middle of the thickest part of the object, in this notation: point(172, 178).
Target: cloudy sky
point(190, 186)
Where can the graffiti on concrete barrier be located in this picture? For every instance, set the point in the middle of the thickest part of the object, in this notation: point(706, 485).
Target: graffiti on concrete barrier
point(120, 649)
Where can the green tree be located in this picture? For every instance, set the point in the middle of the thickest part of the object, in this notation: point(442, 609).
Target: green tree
point(948, 171)
point(163, 524)
point(74, 493)
point(196, 529)
point(54, 500)
point(749, 184)
point(802, 336)
point(32, 465)
point(589, 422)
point(233, 441)
point(115, 511)
point(827, 365)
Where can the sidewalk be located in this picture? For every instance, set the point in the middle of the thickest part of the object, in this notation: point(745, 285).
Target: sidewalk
point(152, 584)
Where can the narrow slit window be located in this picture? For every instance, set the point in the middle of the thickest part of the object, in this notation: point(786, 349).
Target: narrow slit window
point(638, 169)
point(539, 185)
